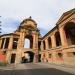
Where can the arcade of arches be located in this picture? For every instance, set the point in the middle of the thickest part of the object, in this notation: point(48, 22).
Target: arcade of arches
point(26, 45)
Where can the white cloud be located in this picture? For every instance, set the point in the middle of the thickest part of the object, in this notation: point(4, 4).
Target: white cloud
point(44, 12)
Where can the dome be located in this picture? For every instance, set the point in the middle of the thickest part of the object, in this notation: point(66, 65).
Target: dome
point(29, 22)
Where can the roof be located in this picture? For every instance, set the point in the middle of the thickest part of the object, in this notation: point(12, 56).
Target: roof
point(9, 34)
point(65, 16)
point(49, 32)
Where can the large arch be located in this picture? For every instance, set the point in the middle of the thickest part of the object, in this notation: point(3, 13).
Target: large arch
point(70, 33)
point(28, 57)
point(28, 43)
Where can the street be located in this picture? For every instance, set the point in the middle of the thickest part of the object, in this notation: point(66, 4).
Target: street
point(34, 69)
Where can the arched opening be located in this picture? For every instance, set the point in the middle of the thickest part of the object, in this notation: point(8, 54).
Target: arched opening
point(44, 46)
point(13, 58)
point(28, 42)
point(58, 40)
point(49, 43)
point(70, 33)
point(39, 45)
point(28, 57)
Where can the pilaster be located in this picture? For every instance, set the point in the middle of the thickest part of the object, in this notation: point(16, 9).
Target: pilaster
point(63, 37)
point(53, 41)
point(46, 43)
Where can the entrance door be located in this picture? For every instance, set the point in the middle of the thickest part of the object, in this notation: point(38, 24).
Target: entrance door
point(13, 58)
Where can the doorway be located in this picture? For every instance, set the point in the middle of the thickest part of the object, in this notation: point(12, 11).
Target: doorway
point(13, 58)
point(28, 58)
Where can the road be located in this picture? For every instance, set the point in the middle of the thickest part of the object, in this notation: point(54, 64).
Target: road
point(34, 69)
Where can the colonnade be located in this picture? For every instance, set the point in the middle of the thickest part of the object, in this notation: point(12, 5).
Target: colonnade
point(53, 39)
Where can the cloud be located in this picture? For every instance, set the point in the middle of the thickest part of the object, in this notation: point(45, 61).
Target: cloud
point(9, 25)
point(44, 12)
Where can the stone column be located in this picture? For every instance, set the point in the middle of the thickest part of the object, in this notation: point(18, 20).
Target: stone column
point(4, 43)
point(10, 43)
point(21, 40)
point(46, 43)
point(53, 41)
point(34, 41)
point(8, 57)
point(42, 46)
point(35, 47)
point(63, 37)
point(20, 47)
point(0, 42)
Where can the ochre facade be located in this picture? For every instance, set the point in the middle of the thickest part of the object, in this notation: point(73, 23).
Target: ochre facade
point(57, 46)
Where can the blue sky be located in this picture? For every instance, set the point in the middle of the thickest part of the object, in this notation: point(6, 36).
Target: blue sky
point(45, 12)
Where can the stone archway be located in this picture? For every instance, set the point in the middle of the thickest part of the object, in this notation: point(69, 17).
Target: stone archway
point(28, 57)
point(70, 33)
point(28, 43)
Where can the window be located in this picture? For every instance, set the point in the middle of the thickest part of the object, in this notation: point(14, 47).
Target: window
point(6, 43)
point(15, 41)
point(60, 55)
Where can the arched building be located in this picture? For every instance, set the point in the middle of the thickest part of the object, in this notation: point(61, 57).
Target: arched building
point(57, 46)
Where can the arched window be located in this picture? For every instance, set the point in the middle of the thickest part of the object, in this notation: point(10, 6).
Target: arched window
point(27, 43)
point(58, 40)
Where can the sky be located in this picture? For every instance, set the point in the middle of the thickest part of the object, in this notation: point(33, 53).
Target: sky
point(45, 12)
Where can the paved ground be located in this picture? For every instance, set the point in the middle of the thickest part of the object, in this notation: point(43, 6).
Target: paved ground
point(37, 69)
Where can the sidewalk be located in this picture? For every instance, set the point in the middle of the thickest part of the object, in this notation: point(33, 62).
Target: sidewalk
point(66, 68)
point(62, 65)
point(69, 69)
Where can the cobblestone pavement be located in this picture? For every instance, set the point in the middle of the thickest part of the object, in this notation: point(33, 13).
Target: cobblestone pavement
point(37, 69)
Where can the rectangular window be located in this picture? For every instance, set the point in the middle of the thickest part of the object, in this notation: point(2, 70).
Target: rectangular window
point(6, 43)
point(15, 41)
